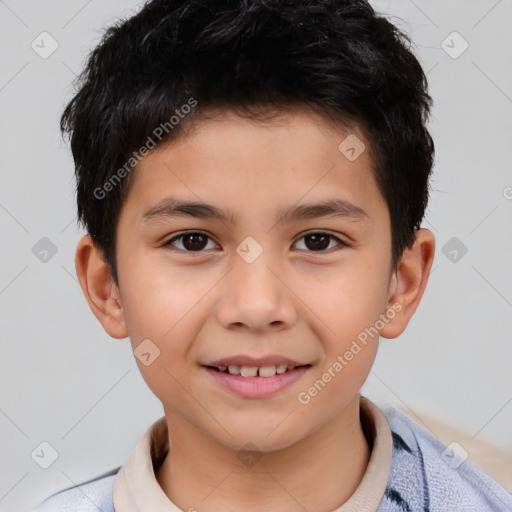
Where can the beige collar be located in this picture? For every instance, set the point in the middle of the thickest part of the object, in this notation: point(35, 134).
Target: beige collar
point(136, 488)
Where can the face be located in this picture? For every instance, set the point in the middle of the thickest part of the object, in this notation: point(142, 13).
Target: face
point(227, 258)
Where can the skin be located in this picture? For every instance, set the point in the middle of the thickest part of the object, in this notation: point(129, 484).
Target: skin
point(294, 301)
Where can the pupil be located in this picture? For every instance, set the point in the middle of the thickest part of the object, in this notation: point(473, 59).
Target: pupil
point(197, 241)
point(318, 242)
point(194, 241)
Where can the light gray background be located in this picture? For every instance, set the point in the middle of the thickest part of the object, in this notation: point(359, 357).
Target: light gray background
point(66, 382)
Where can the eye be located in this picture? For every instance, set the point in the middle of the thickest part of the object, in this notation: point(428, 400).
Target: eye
point(320, 241)
point(191, 241)
point(195, 241)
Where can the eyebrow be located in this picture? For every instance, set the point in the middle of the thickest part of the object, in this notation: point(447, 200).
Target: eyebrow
point(173, 207)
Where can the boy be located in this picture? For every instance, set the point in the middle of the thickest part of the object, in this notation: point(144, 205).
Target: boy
point(252, 177)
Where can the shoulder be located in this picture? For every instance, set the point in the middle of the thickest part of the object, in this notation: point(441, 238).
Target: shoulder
point(93, 495)
point(427, 475)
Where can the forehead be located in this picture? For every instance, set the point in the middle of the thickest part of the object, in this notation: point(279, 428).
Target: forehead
point(245, 165)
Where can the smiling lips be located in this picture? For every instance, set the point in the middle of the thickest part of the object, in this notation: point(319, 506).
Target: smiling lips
point(248, 366)
point(256, 378)
point(255, 371)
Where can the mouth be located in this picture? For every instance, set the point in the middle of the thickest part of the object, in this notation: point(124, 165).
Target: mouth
point(255, 381)
point(256, 371)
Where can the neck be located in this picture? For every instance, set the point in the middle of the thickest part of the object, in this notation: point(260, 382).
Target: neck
point(325, 468)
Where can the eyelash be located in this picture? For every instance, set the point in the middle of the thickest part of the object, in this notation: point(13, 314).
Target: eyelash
point(339, 246)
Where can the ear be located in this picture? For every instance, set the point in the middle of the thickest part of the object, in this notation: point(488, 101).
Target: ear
point(408, 283)
point(99, 288)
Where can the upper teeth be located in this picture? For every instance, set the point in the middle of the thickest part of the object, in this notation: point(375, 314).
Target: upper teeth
point(254, 371)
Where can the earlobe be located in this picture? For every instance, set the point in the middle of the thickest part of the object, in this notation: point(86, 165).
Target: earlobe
point(99, 288)
point(408, 283)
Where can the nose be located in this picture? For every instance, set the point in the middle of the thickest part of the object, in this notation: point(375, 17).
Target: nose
point(254, 297)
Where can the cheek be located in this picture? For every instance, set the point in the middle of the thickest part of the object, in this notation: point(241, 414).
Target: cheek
point(349, 312)
point(348, 300)
point(157, 298)
point(163, 305)
point(349, 304)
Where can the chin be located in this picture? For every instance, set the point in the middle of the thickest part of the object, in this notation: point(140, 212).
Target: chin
point(255, 437)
